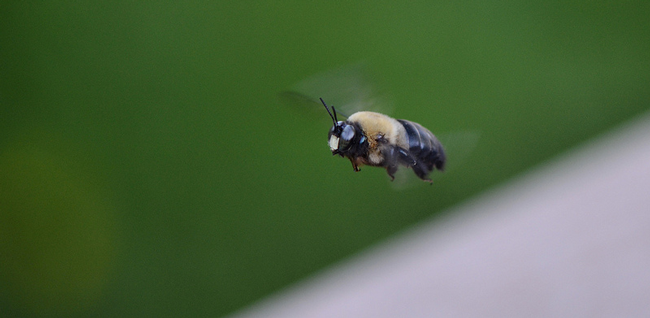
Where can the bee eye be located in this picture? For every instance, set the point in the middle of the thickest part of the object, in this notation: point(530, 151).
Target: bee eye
point(348, 133)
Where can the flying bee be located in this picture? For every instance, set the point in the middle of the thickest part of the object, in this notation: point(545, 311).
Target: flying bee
point(374, 139)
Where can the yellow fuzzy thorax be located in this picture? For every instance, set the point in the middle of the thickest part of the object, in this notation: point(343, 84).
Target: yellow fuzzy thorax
point(375, 124)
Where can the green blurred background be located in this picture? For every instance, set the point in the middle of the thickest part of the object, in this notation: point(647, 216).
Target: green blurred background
point(147, 168)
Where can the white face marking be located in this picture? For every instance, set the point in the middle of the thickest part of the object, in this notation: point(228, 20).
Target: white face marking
point(334, 143)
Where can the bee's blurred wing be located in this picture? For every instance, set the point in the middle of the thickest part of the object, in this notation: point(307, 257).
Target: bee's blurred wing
point(457, 145)
point(303, 104)
point(349, 89)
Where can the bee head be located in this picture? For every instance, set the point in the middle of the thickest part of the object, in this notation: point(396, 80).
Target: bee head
point(340, 135)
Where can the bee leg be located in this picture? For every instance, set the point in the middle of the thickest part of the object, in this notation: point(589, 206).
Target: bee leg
point(354, 166)
point(405, 158)
point(421, 171)
point(391, 172)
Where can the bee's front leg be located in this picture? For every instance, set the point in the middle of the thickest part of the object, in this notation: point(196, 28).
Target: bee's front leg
point(355, 166)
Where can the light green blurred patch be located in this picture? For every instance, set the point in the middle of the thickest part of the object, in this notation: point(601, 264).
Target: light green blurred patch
point(57, 235)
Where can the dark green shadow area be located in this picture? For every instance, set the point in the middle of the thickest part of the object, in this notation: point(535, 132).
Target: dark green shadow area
point(149, 170)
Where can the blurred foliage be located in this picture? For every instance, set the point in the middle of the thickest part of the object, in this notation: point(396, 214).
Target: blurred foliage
point(148, 168)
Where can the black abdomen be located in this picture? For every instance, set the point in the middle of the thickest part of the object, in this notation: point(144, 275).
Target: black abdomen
point(425, 148)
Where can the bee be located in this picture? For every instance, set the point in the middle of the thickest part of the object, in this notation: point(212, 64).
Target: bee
point(377, 140)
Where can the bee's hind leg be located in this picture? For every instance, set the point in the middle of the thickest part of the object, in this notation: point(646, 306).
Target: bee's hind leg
point(422, 172)
point(405, 158)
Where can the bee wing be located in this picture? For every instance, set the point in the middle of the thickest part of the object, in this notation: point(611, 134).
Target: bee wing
point(349, 89)
point(305, 104)
point(458, 146)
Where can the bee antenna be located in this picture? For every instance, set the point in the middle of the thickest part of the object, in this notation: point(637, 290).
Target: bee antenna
point(328, 111)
